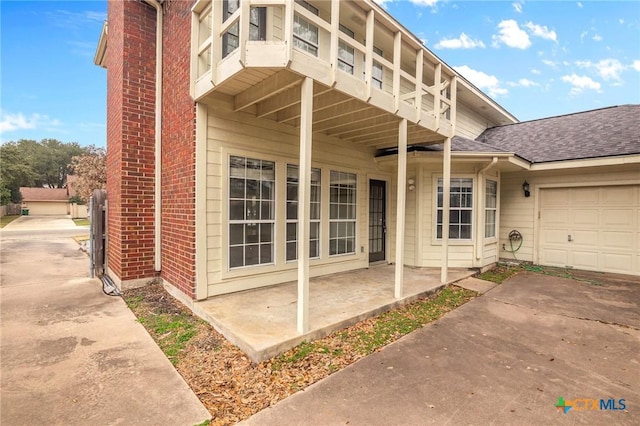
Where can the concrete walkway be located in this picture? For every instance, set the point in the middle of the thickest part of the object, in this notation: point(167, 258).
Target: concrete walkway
point(74, 356)
point(262, 322)
point(502, 359)
point(39, 223)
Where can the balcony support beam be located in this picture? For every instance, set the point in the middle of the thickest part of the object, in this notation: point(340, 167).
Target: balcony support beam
point(278, 82)
point(304, 203)
point(368, 63)
point(321, 103)
point(418, 98)
point(397, 57)
point(437, 91)
point(400, 208)
point(335, 29)
point(285, 100)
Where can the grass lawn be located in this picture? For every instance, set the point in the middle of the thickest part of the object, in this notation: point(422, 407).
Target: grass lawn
point(81, 222)
point(5, 220)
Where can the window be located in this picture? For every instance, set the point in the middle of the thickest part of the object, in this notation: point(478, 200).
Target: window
point(251, 211)
point(376, 74)
point(461, 209)
point(490, 207)
point(346, 54)
point(305, 35)
point(292, 213)
point(342, 213)
point(257, 26)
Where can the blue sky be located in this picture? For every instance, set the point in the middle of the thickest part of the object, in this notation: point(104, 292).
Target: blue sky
point(535, 58)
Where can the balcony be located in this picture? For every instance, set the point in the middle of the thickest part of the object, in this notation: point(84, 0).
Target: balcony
point(368, 71)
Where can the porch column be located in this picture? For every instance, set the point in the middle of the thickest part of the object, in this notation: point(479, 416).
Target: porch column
point(304, 202)
point(400, 207)
point(446, 204)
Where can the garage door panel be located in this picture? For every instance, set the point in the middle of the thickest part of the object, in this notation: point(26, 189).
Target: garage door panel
point(617, 262)
point(585, 217)
point(604, 224)
point(554, 257)
point(617, 217)
point(583, 196)
point(619, 196)
point(617, 240)
point(584, 259)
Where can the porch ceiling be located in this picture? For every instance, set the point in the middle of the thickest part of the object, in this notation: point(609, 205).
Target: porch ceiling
point(275, 93)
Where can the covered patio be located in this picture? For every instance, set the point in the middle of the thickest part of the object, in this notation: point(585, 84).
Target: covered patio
point(262, 323)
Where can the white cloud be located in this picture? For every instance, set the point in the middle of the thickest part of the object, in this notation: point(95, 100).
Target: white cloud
point(430, 3)
point(579, 5)
point(535, 71)
point(580, 83)
point(523, 82)
point(596, 37)
point(462, 42)
point(541, 31)
point(550, 63)
point(621, 21)
point(636, 65)
point(12, 122)
point(483, 81)
point(607, 69)
point(511, 35)
point(517, 6)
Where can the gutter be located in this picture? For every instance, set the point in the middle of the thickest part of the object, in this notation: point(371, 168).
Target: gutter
point(480, 216)
point(157, 264)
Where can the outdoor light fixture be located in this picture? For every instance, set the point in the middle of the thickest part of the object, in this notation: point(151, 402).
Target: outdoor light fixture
point(525, 188)
point(411, 183)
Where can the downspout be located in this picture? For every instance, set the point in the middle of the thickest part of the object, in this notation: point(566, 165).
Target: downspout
point(157, 240)
point(480, 216)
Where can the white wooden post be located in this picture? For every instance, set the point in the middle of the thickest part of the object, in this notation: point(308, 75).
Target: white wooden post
point(335, 29)
point(418, 97)
point(397, 57)
point(304, 202)
point(446, 205)
point(368, 62)
point(400, 207)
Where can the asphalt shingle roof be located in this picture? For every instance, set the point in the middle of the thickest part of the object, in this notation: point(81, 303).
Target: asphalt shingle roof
point(460, 144)
point(591, 134)
point(44, 194)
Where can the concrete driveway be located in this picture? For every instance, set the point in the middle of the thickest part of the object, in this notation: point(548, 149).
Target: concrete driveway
point(72, 355)
point(503, 358)
point(37, 223)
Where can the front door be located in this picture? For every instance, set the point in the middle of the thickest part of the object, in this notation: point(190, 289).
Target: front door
point(377, 220)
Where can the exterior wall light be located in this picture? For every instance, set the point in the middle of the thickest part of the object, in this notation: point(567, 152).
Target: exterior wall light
point(412, 184)
point(525, 188)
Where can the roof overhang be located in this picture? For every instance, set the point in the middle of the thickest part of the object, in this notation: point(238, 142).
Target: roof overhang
point(588, 162)
point(101, 50)
point(507, 161)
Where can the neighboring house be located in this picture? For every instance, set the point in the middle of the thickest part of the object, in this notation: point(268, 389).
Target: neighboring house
point(45, 201)
point(222, 115)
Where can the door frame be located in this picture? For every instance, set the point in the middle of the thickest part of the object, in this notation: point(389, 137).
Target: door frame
point(385, 251)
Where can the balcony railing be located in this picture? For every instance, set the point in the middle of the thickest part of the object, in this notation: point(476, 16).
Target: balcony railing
point(353, 47)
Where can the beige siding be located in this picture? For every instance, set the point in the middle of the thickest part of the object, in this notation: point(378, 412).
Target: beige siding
point(47, 208)
point(521, 214)
point(242, 134)
point(470, 124)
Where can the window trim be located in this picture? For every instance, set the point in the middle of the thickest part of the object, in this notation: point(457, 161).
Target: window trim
point(296, 37)
point(472, 209)
point(354, 220)
point(494, 209)
point(296, 221)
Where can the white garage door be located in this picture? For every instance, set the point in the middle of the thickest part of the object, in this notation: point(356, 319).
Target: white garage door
point(591, 228)
point(41, 208)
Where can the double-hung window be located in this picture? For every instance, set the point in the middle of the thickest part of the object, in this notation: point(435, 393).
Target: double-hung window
point(342, 213)
point(346, 53)
point(376, 76)
point(257, 25)
point(251, 211)
point(461, 209)
point(490, 208)
point(292, 213)
point(305, 34)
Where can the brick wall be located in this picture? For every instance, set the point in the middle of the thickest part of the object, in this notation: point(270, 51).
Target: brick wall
point(130, 64)
point(178, 150)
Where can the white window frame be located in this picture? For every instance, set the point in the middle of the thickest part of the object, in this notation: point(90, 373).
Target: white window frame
point(350, 206)
point(490, 227)
point(468, 196)
point(346, 52)
point(315, 219)
point(246, 222)
point(299, 41)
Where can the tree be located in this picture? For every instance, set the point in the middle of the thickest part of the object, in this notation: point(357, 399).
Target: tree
point(90, 171)
point(15, 171)
point(50, 160)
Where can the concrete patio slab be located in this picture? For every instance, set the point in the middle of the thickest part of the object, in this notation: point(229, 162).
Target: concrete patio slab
point(474, 284)
point(502, 359)
point(262, 322)
point(72, 355)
